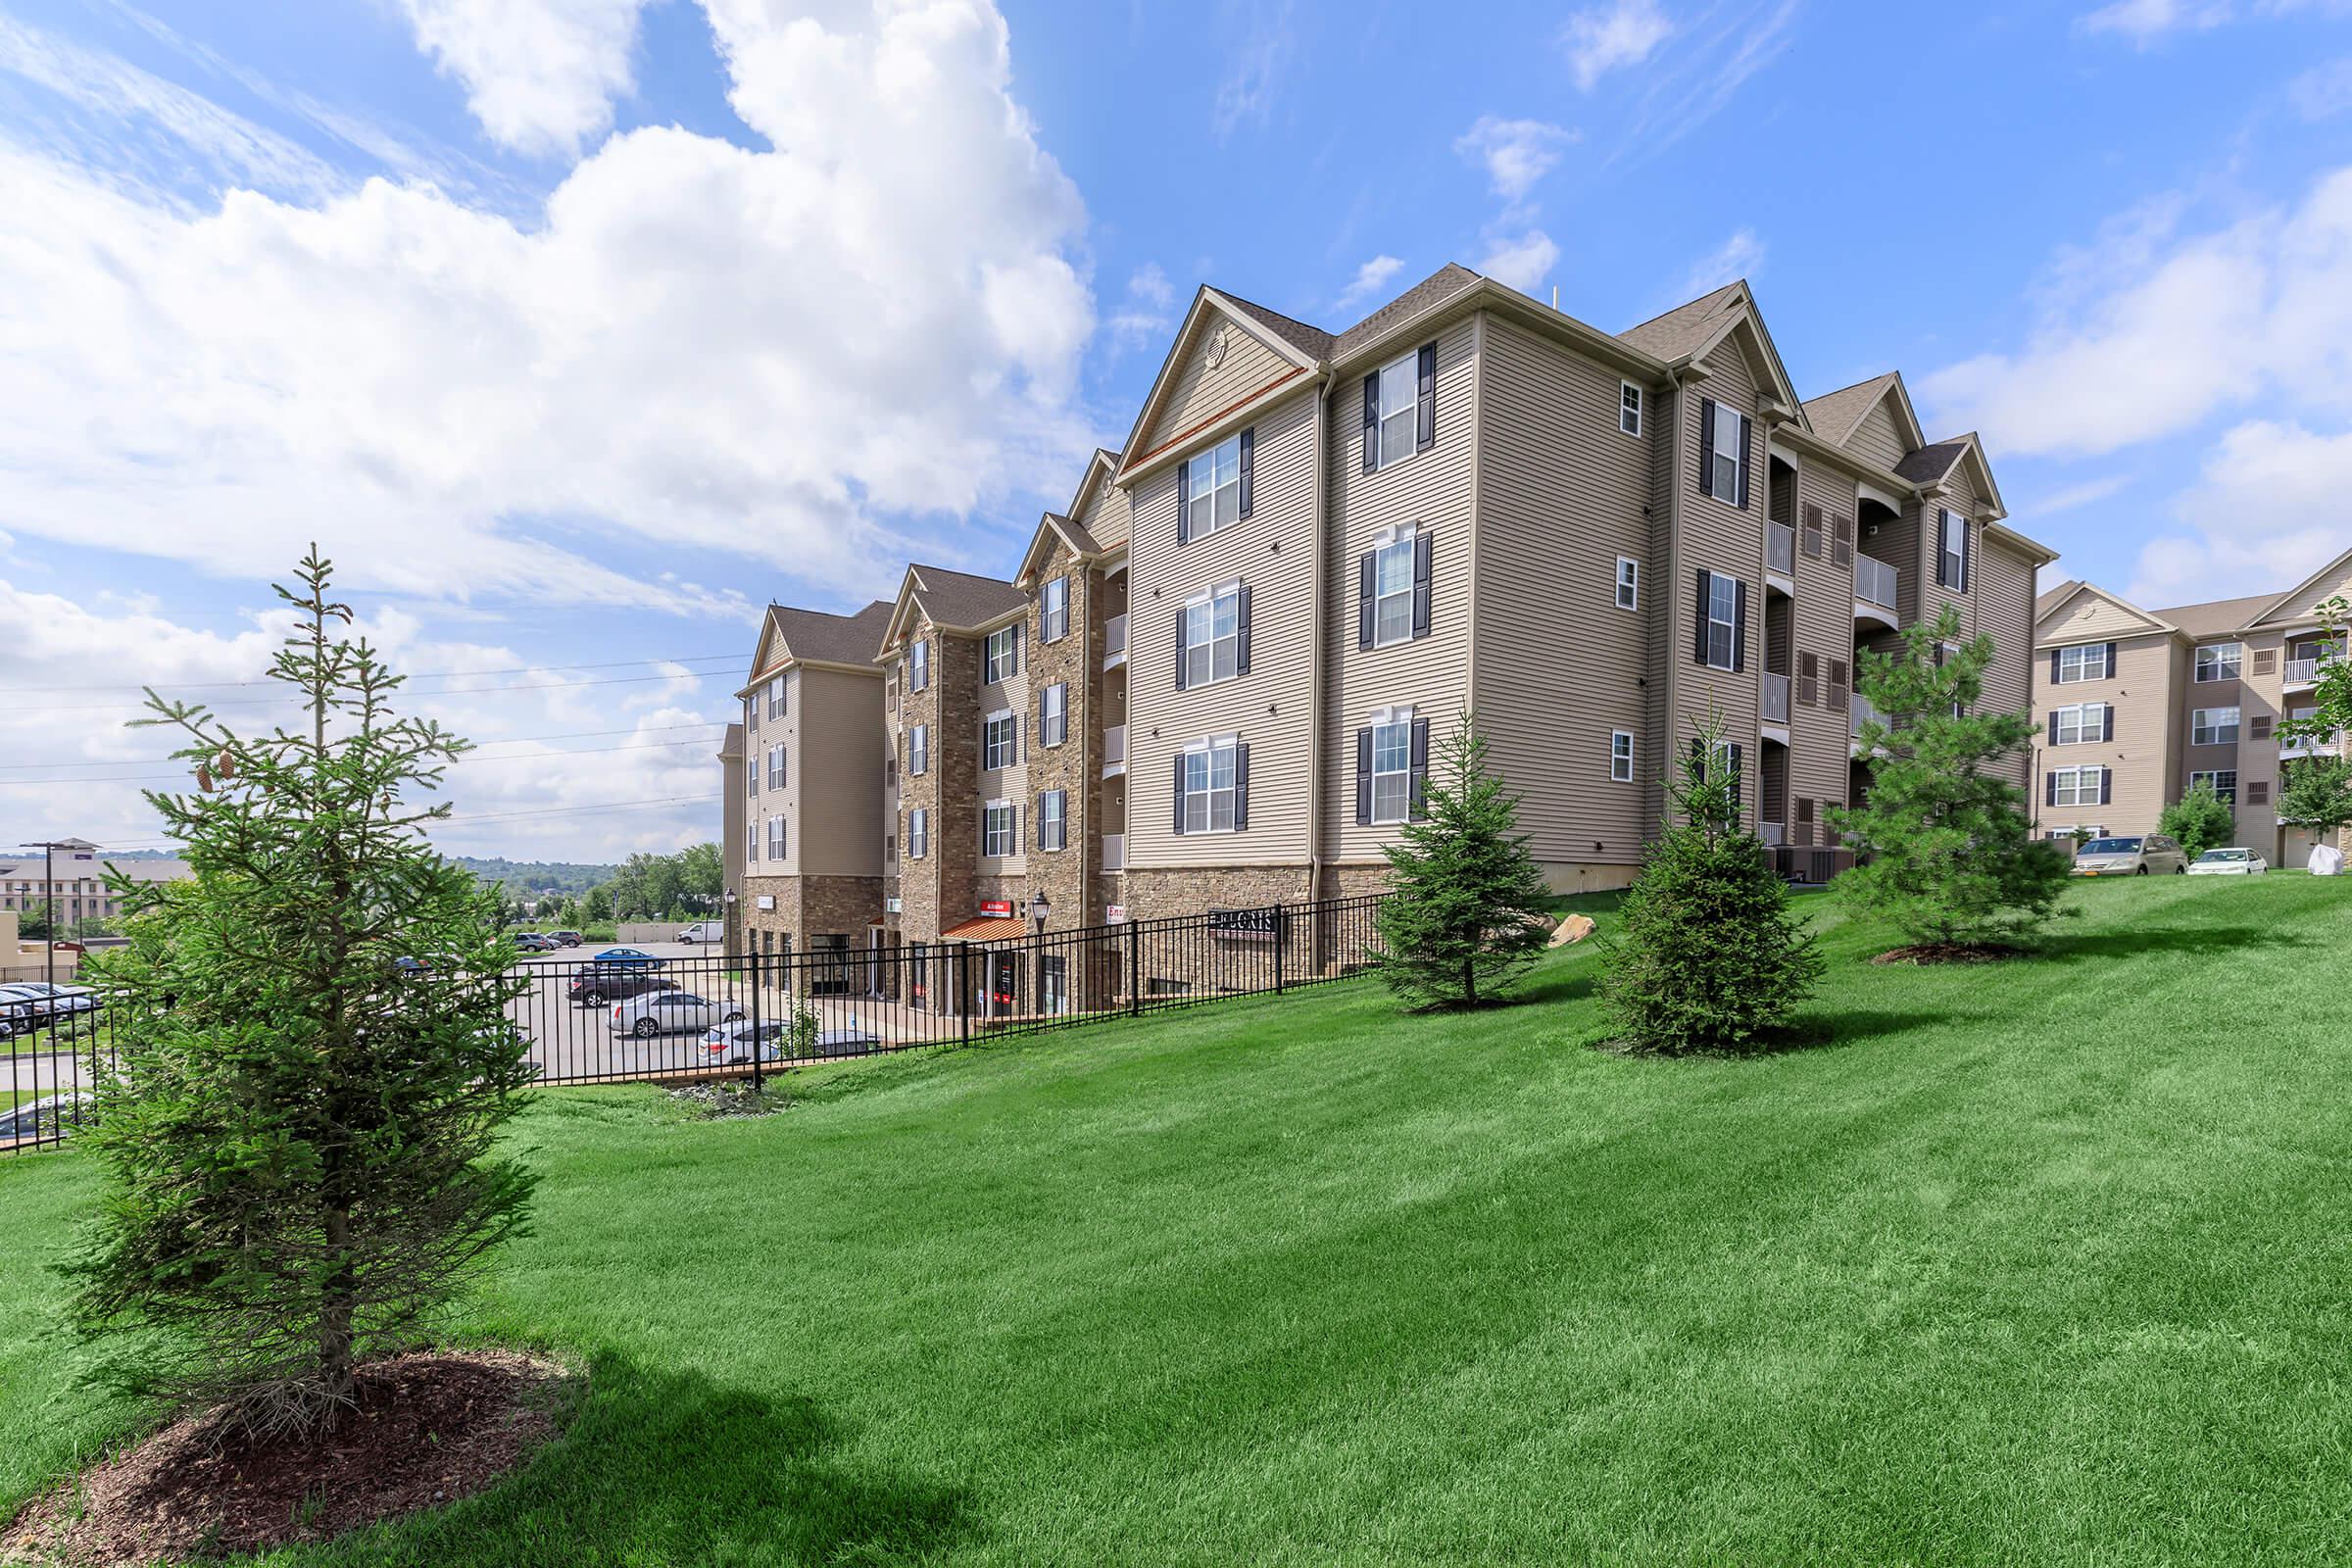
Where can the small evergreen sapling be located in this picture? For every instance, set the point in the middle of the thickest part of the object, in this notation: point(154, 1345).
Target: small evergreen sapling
point(1707, 955)
point(1949, 856)
point(2200, 819)
point(1463, 916)
point(2315, 794)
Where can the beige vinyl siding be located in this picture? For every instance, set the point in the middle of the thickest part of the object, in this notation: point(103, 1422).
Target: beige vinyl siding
point(1273, 551)
point(1926, 517)
point(2004, 595)
point(1820, 755)
point(1430, 489)
point(1202, 391)
point(2260, 695)
point(2147, 748)
point(1561, 495)
point(1719, 536)
point(1008, 784)
point(2090, 619)
point(1876, 440)
point(835, 791)
point(2301, 611)
point(1105, 515)
point(1670, 454)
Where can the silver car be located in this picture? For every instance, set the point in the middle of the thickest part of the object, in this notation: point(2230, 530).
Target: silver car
point(2132, 857)
point(731, 1043)
point(670, 1012)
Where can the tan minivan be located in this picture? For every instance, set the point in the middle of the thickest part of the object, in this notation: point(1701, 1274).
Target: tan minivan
point(2132, 857)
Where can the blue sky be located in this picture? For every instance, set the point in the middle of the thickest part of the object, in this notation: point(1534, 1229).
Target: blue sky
point(577, 329)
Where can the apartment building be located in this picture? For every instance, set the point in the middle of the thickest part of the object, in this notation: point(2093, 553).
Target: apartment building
point(2139, 705)
point(734, 838)
point(813, 842)
point(1217, 678)
point(79, 892)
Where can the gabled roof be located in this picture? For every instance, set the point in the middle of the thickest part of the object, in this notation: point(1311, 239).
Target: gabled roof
point(1100, 469)
point(1934, 464)
point(814, 636)
point(1837, 416)
point(2214, 616)
point(2289, 607)
point(1311, 341)
point(956, 601)
point(730, 749)
point(1285, 341)
point(1692, 332)
point(2044, 603)
point(2051, 603)
point(1050, 527)
point(1435, 290)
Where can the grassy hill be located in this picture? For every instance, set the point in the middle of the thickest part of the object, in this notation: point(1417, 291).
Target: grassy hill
point(2037, 1263)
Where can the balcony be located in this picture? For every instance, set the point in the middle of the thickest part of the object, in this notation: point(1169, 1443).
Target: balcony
point(2306, 746)
point(2305, 672)
point(1114, 852)
point(1875, 586)
point(1114, 752)
point(1114, 642)
point(1774, 834)
point(1776, 698)
point(1858, 712)
point(1780, 549)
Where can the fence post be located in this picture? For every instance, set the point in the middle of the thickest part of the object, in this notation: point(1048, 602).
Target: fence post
point(1135, 970)
point(1282, 932)
point(758, 1041)
point(963, 989)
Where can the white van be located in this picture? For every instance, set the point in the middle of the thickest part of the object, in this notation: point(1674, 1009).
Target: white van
point(704, 931)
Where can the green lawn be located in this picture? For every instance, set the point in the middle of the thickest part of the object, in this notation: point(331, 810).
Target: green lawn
point(2041, 1263)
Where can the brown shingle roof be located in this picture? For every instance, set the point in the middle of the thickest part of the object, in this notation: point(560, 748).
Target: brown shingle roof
point(1438, 286)
point(1931, 462)
point(730, 749)
point(1311, 341)
point(2044, 603)
point(1835, 414)
point(957, 599)
point(832, 639)
point(1686, 327)
point(2215, 616)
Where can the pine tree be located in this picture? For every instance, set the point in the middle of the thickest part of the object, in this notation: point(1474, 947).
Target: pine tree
point(2315, 794)
point(1947, 855)
point(1463, 916)
point(2200, 819)
point(297, 1140)
point(1707, 955)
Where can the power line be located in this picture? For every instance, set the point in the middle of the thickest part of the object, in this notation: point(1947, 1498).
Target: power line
point(472, 691)
point(511, 740)
point(508, 757)
point(418, 675)
point(104, 850)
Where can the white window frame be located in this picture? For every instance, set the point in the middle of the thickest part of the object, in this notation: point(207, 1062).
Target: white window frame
point(918, 666)
point(1392, 543)
point(919, 749)
point(1053, 820)
point(1956, 554)
point(2070, 832)
point(1202, 653)
point(777, 779)
point(1213, 489)
point(1000, 740)
point(779, 838)
point(2216, 672)
point(754, 770)
point(2071, 781)
point(1620, 756)
point(1718, 583)
point(918, 833)
point(2081, 657)
point(1210, 751)
point(1002, 662)
point(1393, 734)
point(1054, 714)
point(1730, 446)
point(1053, 609)
point(997, 826)
point(2215, 775)
point(1408, 417)
point(2086, 731)
point(776, 707)
point(751, 853)
point(1629, 401)
point(1628, 583)
point(2205, 727)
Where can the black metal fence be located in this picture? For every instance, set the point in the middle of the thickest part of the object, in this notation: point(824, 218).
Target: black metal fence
point(662, 1016)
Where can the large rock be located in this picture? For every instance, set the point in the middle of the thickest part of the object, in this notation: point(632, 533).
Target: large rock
point(1575, 928)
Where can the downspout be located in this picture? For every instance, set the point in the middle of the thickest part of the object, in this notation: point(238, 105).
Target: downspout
point(1319, 649)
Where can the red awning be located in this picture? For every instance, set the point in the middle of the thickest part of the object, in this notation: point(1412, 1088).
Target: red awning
point(986, 928)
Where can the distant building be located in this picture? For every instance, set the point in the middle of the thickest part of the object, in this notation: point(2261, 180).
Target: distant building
point(80, 892)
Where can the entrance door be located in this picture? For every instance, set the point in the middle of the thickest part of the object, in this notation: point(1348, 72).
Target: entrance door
point(1003, 998)
point(833, 975)
point(1053, 985)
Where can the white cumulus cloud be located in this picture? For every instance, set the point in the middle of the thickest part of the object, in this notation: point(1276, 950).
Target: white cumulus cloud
point(1604, 38)
point(1515, 153)
point(1370, 279)
point(539, 75)
point(1522, 262)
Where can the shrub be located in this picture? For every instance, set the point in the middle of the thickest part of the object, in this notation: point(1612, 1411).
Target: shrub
point(2200, 819)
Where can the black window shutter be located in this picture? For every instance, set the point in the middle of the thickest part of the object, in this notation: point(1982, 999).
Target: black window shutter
point(1018, 627)
point(1240, 785)
point(1366, 592)
point(1420, 776)
point(1942, 522)
point(2106, 786)
point(2050, 788)
point(1699, 648)
point(2107, 721)
point(1248, 468)
point(1041, 819)
point(2054, 666)
point(1240, 653)
point(1738, 628)
point(1018, 813)
point(1371, 422)
point(1748, 450)
point(2111, 661)
point(2053, 727)
point(1184, 498)
point(1425, 399)
point(1423, 548)
point(1179, 792)
point(1363, 778)
point(1706, 446)
point(1736, 775)
point(1181, 619)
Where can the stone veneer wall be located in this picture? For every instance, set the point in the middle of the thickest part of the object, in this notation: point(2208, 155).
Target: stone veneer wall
point(1067, 877)
point(938, 890)
point(806, 906)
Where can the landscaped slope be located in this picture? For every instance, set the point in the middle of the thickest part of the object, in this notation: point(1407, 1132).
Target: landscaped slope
point(2038, 1263)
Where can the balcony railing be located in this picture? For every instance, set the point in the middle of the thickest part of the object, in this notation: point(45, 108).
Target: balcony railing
point(1774, 834)
point(2307, 746)
point(1858, 712)
point(2303, 671)
point(1115, 751)
point(1875, 582)
point(1114, 852)
point(1780, 549)
point(1114, 641)
point(1776, 698)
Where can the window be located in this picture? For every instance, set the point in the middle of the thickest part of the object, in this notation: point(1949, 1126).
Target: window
point(919, 749)
point(752, 769)
point(1054, 618)
point(1629, 408)
point(1731, 451)
point(750, 847)
point(2070, 832)
point(1054, 714)
point(1213, 635)
point(778, 842)
point(918, 833)
point(2088, 661)
point(2077, 786)
point(2218, 662)
point(1213, 489)
point(2222, 779)
point(1393, 769)
point(1955, 553)
point(918, 666)
point(2212, 726)
point(1208, 786)
point(1628, 583)
point(776, 698)
point(1000, 741)
point(2084, 721)
point(1393, 591)
point(995, 828)
point(1723, 621)
point(1004, 654)
point(1399, 386)
point(1621, 756)
point(775, 768)
point(1052, 819)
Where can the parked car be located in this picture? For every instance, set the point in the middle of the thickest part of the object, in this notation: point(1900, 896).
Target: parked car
point(36, 1118)
point(629, 957)
point(2130, 856)
point(670, 1012)
point(41, 1001)
point(593, 988)
point(533, 941)
point(2237, 861)
point(564, 939)
point(730, 1043)
point(703, 931)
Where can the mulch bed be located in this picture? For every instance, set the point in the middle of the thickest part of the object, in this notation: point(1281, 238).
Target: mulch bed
point(1948, 952)
point(428, 1428)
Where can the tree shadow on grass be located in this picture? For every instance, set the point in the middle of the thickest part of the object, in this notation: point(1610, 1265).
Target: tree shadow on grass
point(2072, 947)
point(1821, 1030)
point(672, 1467)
